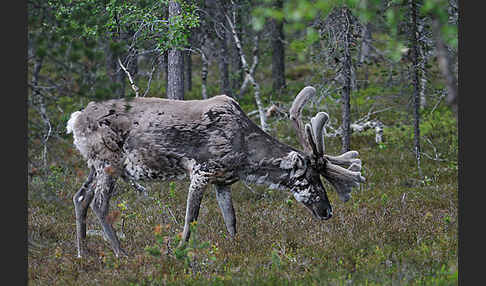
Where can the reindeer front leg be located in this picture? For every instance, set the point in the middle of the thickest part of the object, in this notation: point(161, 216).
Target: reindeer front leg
point(223, 195)
point(199, 181)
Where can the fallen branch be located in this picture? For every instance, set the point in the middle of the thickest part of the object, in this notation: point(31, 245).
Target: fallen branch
point(436, 154)
point(360, 127)
point(270, 111)
point(444, 93)
point(373, 124)
point(173, 216)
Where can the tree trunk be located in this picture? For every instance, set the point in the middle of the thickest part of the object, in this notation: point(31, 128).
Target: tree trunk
point(236, 69)
point(204, 66)
point(346, 92)
point(165, 68)
point(116, 74)
point(188, 76)
point(188, 66)
point(422, 52)
point(346, 112)
point(249, 71)
point(365, 50)
point(445, 67)
point(204, 76)
point(38, 101)
point(175, 85)
point(364, 53)
point(175, 76)
point(354, 81)
point(278, 51)
point(416, 82)
point(223, 59)
point(423, 78)
point(366, 77)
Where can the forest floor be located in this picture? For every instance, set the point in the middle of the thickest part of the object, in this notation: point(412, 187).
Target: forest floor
point(398, 228)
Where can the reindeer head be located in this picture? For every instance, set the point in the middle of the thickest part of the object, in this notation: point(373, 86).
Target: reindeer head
point(343, 172)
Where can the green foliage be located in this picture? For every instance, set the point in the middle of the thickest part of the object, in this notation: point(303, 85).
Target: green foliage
point(276, 262)
point(395, 230)
point(435, 10)
point(298, 13)
point(52, 185)
point(125, 211)
point(392, 231)
point(193, 255)
point(297, 72)
point(77, 31)
point(96, 19)
point(172, 193)
point(439, 127)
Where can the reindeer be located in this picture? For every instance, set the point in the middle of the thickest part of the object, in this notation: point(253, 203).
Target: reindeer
point(209, 141)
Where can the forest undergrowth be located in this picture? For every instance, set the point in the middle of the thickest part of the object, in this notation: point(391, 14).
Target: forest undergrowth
point(399, 228)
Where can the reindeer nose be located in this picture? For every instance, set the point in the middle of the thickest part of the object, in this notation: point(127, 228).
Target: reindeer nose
point(328, 214)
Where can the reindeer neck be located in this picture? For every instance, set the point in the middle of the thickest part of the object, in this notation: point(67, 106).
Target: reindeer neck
point(266, 161)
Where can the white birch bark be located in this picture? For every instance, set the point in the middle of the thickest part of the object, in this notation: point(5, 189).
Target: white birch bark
point(249, 73)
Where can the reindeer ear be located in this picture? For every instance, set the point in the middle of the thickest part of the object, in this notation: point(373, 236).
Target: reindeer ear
point(300, 166)
point(296, 163)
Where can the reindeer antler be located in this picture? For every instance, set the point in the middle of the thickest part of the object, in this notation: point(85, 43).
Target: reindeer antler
point(311, 135)
point(344, 171)
point(296, 115)
point(315, 132)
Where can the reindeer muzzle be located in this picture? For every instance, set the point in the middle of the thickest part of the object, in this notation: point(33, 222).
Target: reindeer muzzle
point(321, 210)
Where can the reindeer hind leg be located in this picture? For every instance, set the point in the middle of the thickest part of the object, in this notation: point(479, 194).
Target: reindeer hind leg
point(100, 206)
point(81, 200)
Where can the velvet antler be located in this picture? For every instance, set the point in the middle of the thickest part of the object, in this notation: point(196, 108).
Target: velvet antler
point(296, 116)
point(344, 171)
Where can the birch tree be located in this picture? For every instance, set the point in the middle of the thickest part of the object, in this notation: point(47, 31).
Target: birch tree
point(249, 71)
